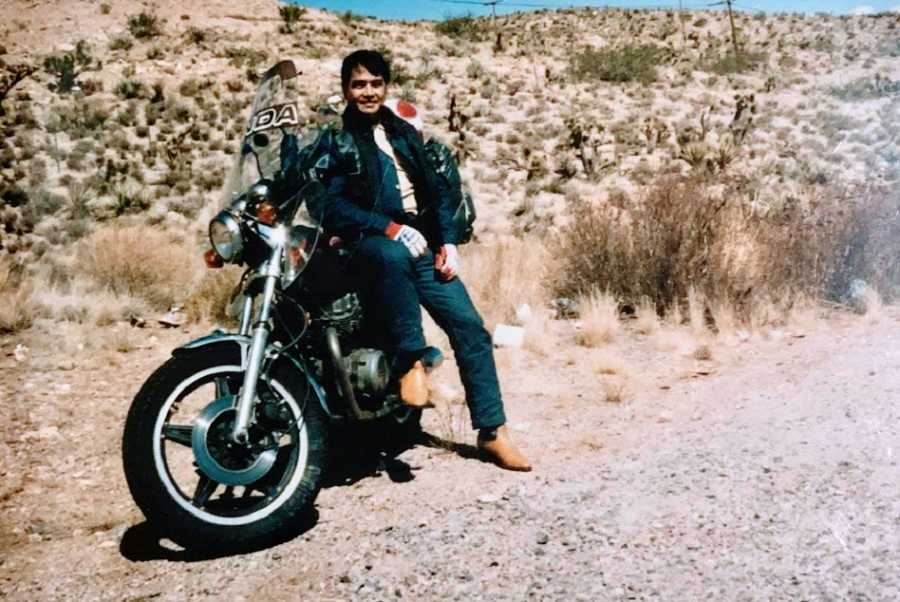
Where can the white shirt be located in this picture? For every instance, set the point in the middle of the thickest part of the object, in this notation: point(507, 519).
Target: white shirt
point(407, 193)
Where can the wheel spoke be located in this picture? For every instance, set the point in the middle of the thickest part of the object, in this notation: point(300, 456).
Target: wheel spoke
point(204, 490)
point(178, 433)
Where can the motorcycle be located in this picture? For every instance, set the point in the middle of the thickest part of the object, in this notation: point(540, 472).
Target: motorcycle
point(227, 442)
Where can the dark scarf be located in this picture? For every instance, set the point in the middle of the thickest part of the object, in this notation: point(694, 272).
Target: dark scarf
point(361, 128)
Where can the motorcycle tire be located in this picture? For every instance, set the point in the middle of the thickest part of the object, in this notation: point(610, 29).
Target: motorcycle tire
point(159, 458)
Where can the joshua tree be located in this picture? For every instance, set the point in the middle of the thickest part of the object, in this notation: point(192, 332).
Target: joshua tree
point(69, 66)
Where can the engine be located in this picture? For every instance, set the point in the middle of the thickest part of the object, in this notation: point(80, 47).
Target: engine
point(368, 371)
point(344, 314)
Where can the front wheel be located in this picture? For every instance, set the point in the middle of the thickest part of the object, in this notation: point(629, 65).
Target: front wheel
point(197, 486)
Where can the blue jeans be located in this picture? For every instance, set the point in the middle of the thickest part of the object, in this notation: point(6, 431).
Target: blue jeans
point(393, 285)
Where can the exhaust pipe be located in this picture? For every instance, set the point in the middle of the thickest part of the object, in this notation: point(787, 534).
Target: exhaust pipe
point(343, 377)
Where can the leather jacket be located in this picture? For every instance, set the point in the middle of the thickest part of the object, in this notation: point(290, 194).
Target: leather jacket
point(353, 185)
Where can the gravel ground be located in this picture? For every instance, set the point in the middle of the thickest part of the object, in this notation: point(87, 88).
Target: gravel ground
point(770, 474)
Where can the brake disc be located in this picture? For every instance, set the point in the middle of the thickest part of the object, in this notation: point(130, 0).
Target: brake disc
point(218, 456)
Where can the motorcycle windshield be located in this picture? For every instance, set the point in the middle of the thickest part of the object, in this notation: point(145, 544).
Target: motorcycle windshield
point(280, 150)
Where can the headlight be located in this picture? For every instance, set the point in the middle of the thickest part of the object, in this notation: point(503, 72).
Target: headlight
point(225, 237)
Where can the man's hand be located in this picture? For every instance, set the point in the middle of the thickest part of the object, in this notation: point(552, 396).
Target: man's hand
point(410, 237)
point(447, 262)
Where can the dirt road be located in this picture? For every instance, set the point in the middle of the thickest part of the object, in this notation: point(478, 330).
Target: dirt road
point(769, 472)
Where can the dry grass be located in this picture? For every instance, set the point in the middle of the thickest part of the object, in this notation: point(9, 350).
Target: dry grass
point(702, 352)
point(724, 318)
point(599, 319)
point(140, 262)
point(615, 390)
point(674, 340)
point(502, 276)
point(608, 363)
point(80, 305)
point(805, 315)
point(17, 311)
point(696, 311)
point(121, 339)
point(452, 422)
point(647, 318)
point(211, 297)
point(539, 335)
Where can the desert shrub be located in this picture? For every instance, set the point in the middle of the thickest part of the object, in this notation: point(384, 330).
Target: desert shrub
point(290, 14)
point(79, 119)
point(105, 8)
point(625, 64)
point(239, 56)
point(465, 27)
point(728, 64)
point(120, 43)
point(130, 201)
point(45, 203)
point(866, 88)
point(349, 17)
point(870, 245)
point(144, 25)
point(474, 70)
point(691, 232)
point(193, 87)
point(178, 112)
point(17, 311)
point(130, 88)
point(127, 117)
point(155, 53)
point(138, 262)
point(196, 35)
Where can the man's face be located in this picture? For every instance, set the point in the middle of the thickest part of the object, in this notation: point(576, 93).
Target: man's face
point(365, 90)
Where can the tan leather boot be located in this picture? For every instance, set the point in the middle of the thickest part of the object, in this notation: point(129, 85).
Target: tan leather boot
point(414, 387)
point(503, 452)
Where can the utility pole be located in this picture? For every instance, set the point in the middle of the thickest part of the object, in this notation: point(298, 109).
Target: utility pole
point(737, 50)
point(494, 4)
point(734, 39)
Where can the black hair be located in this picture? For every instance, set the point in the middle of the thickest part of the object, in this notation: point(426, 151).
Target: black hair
point(372, 60)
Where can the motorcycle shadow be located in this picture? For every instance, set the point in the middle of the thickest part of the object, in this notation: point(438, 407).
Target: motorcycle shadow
point(143, 542)
point(370, 458)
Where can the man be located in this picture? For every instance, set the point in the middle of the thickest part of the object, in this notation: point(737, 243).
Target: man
point(396, 213)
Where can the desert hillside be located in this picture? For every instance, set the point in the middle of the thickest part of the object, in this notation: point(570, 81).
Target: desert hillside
point(653, 154)
point(544, 115)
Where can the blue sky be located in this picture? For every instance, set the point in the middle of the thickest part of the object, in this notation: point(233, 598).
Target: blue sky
point(438, 9)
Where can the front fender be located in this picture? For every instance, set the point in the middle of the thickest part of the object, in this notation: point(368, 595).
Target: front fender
point(219, 337)
point(215, 338)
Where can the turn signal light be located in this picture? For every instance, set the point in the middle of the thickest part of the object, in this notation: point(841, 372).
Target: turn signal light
point(212, 259)
point(265, 213)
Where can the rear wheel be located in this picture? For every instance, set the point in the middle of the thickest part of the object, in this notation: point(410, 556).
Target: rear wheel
point(196, 485)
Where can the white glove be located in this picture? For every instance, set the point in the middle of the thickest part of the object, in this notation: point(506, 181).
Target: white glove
point(412, 239)
point(447, 262)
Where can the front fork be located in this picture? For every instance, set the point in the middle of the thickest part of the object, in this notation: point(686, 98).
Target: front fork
point(258, 343)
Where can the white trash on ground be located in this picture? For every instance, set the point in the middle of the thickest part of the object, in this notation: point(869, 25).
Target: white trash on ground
point(509, 336)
